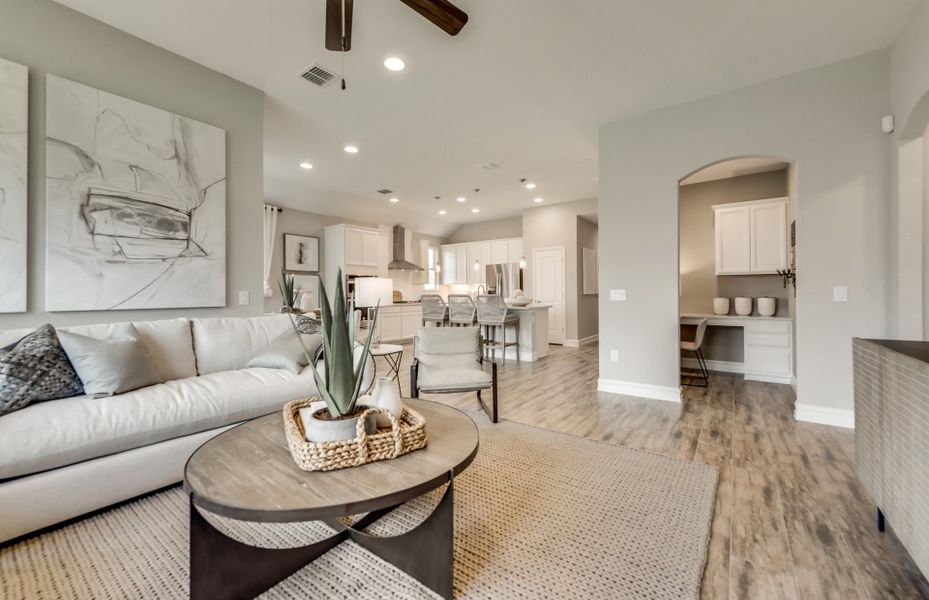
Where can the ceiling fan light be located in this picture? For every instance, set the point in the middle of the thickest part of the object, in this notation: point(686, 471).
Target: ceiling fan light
point(394, 64)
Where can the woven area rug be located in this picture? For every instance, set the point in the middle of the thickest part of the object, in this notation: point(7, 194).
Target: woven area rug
point(538, 514)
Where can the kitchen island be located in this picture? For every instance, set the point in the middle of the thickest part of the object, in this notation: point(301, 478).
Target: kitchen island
point(533, 331)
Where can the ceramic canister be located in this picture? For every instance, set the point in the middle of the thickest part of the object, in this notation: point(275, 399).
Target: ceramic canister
point(721, 306)
point(767, 306)
point(743, 306)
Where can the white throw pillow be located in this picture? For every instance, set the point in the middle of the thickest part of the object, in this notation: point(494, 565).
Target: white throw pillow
point(286, 352)
point(112, 366)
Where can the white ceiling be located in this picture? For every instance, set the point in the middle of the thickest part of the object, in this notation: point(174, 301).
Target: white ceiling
point(525, 85)
point(734, 168)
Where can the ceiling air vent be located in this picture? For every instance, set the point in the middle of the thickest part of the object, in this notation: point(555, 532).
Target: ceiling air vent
point(385, 191)
point(318, 75)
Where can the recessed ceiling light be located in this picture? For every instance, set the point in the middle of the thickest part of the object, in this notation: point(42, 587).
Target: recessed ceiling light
point(538, 200)
point(475, 210)
point(530, 186)
point(443, 212)
point(394, 64)
point(351, 149)
point(461, 198)
point(306, 165)
point(395, 200)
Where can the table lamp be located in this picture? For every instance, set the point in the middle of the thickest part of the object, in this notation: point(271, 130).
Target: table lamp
point(371, 292)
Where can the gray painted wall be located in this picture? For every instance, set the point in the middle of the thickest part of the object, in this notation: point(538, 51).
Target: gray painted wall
point(909, 77)
point(827, 121)
point(49, 38)
point(487, 230)
point(699, 283)
point(553, 226)
point(588, 310)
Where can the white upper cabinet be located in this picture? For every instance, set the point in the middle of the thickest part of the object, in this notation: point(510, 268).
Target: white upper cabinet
point(751, 237)
point(369, 248)
point(354, 246)
point(498, 252)
point(514, 250)
point(479, 256)
point(356, 251)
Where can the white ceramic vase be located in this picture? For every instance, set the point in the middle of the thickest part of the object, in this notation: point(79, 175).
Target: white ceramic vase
point(721, 306)
point(385, 396)
point(767, 306)
point(743, 306)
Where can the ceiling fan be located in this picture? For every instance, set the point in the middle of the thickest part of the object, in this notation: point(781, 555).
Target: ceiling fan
point(442, 13)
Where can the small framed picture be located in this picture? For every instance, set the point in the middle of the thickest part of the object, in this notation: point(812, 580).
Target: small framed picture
point(301, 253)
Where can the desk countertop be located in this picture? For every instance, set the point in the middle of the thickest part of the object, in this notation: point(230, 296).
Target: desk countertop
point(732, 317)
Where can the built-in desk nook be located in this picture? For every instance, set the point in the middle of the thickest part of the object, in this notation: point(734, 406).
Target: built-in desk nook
point(767, 345)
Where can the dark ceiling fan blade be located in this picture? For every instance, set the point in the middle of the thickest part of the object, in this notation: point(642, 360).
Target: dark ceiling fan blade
point(334, 25)
point(445, 15)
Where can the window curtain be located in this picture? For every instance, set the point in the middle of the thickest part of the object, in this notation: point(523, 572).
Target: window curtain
point(270, 227)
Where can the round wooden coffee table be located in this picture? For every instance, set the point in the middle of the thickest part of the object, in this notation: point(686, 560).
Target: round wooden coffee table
point(247, 473)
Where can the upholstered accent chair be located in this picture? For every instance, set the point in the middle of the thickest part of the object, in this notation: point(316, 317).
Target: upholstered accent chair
point(448, 360)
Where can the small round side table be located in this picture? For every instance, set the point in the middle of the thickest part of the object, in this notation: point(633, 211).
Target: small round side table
point(393, 354)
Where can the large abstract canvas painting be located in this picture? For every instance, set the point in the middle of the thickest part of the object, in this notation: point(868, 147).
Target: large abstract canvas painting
point(14, 117)
point(136, 204)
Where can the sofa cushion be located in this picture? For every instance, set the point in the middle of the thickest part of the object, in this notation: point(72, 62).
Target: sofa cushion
point(115, 365)
point(36, 368)
point(168, 341)
point(226, 344)
point(287, 351)
point(53, 434)
point(454, 379)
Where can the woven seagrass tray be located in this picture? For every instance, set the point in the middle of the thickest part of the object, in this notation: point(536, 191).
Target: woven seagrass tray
point(406, 434)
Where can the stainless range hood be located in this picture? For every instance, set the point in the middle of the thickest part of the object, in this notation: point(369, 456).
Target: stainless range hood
point(401, 243)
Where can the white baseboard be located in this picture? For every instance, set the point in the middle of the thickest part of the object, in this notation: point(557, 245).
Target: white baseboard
point(793, 383)
point(720, 366)
point(640, 390)
point(582, 342)
point(837, 417)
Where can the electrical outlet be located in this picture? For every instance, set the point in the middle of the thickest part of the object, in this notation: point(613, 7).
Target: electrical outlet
point(618, 295)
point(614, 355)
point(243, 297)
point(840, 293)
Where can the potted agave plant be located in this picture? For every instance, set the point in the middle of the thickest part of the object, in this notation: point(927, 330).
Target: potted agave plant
point(339, 376)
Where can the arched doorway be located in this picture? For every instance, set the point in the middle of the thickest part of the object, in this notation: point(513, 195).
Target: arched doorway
point(737, 239)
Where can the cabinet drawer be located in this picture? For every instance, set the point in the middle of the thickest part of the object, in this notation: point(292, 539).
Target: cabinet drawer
point(767, 340)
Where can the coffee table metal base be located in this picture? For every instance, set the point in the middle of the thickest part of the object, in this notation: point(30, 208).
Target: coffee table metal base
point(223, 568)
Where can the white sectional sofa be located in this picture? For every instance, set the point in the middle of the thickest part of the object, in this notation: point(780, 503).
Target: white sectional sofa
point(64, 458)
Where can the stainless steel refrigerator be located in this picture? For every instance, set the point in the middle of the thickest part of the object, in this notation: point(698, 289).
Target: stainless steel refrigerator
point(503, 279)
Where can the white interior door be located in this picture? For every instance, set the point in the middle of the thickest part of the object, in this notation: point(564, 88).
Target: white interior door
point(548, 276)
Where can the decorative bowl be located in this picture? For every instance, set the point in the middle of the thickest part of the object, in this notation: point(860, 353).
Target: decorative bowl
point(522, 301)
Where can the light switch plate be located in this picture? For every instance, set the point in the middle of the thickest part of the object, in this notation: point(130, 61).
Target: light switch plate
point(618, 295)
point(243, 297)
point(614, 355)
point(840, 293)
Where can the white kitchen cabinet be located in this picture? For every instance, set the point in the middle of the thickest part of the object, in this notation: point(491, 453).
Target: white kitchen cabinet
point(383, 254)
point(499, 251)
point(461, 265)
point(370, 248)
point(751, 237)
point(479, 256)
point(399, 322)
point(449, 264)
point(354, 246)
point(514, 250)
point(390, 324)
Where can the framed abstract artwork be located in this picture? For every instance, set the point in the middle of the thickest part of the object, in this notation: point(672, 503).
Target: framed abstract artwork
point(301, 253)
point(14, 123)
point(135, 204)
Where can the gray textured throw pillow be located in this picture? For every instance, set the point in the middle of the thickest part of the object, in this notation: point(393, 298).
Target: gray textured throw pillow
point(285, 352)
point(307, 324)
point(112, 366)
point(35, 369)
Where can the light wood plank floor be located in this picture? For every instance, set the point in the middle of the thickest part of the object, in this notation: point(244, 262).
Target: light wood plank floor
point(791, 518)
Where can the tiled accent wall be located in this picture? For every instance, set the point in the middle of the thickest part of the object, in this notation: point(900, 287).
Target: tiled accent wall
point(892, 440)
